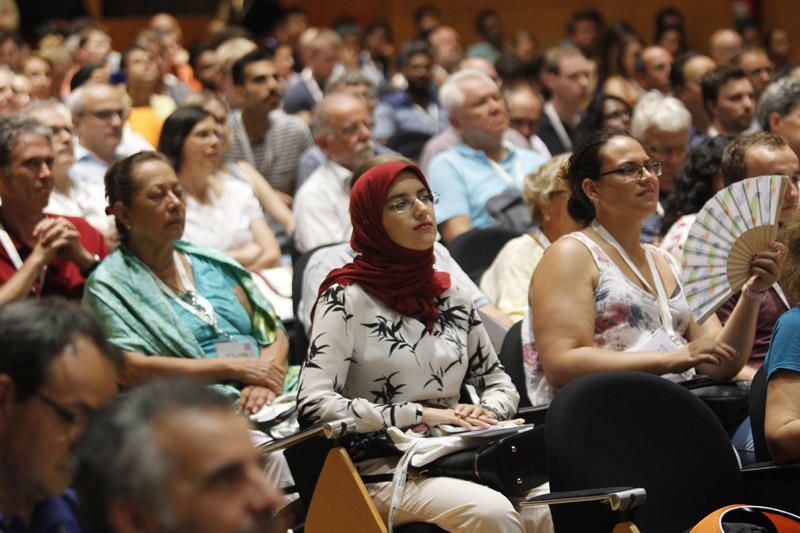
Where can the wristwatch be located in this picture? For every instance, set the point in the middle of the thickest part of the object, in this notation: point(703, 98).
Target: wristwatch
point(89, 269)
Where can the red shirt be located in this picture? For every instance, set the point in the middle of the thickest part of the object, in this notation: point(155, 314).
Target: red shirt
point(63, 277)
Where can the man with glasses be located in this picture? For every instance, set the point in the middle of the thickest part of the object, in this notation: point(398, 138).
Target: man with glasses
point(173, 456)
point(342, 128)
point(68, 198)
point(748, 156)
point(39, 254)
point(756, 65)
point(779, 111)
point(56, 369)
point(662, 124)
point(99, 115)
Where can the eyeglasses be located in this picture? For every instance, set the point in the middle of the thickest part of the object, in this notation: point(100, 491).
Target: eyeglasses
point(616, 115)
point(403, 205)
point(57, 130)
point(107, 114)
point(635, 171)
point(70, 418)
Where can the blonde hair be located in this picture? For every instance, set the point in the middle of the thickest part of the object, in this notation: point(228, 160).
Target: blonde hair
point(790, 276)
point(542, 184)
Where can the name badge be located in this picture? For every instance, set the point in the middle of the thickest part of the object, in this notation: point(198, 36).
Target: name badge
point(235, 349)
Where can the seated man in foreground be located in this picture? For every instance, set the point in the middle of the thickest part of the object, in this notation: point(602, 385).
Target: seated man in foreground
point(173, 456)
point(56, 368)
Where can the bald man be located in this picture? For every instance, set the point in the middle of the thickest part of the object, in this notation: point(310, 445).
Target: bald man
point(724, 44)
point(342, 127)
point(653, 68)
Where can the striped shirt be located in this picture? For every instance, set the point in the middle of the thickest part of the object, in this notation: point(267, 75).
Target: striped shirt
point(276, 156)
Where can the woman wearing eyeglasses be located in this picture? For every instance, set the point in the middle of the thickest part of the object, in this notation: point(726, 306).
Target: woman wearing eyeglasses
point(393, 341)
point(603, 301)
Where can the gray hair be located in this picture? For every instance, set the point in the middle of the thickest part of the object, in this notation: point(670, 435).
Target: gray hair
point(321, 120)
point(118, 455)
point(12, 127)
point(51, 104)
point(451, 96)
point(76, 101)
point(349, 78)
point(779, 97)
point(665, 112)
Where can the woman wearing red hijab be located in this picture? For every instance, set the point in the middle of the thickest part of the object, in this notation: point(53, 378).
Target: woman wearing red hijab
point(391, 344)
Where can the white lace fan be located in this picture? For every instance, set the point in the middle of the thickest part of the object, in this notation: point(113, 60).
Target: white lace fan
point(738, 222)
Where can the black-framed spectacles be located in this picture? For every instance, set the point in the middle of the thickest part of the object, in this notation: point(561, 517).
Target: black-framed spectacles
point(70, 417)
point(636, 171)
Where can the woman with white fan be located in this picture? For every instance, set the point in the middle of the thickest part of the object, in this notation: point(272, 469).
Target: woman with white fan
point(603, 301)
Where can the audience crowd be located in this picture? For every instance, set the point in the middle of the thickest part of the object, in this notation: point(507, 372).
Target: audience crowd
point(197, 233)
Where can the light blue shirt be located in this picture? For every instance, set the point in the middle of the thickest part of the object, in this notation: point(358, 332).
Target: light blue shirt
point(466, 179)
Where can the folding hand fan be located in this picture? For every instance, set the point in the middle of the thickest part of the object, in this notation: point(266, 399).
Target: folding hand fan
point(738, 222)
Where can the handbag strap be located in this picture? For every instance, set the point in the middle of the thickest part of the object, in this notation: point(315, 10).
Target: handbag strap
point(399, 482)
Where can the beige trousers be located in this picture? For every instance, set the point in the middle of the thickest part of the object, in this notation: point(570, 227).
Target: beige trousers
point(463, 506)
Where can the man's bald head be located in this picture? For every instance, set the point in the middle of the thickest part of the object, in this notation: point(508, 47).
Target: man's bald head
point(724, 44)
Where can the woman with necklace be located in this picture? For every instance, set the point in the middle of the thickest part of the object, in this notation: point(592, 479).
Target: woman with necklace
point(602, 301)
point(178, 309)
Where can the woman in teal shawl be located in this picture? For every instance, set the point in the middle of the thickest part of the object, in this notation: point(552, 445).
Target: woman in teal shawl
point(178, 309)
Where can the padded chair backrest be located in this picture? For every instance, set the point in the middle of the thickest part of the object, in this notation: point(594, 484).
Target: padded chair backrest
point(299, 338)
point(511, 357)
point(639, 430)
point(758, 410)
point(475, 250)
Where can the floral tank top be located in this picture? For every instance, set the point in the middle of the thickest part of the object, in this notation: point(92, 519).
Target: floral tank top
point(625, 315)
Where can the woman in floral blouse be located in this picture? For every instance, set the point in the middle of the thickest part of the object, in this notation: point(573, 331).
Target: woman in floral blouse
point(594, 294)
point(393, 341)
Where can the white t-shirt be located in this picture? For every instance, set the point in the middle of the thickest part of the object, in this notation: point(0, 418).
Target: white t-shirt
point(224, 222)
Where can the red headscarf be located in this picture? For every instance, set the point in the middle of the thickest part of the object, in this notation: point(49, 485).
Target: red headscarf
point(401, 278)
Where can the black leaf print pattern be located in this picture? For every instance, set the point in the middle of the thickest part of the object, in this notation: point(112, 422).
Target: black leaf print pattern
point(307, 412)
point(388, 389)
point(478, 360)
point(390, 332)
point(437, 377)
point(313, 351)
point(333, 300)
point(450, 317)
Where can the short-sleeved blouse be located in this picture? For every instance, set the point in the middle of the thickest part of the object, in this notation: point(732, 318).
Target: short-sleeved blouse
point(224, 222)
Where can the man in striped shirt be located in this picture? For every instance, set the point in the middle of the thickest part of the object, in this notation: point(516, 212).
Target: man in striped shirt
point(262, 134)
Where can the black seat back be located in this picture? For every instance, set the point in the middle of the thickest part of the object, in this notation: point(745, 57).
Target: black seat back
point(638, 430)
point(475, 250)
point(758, 409)
point(511, 357)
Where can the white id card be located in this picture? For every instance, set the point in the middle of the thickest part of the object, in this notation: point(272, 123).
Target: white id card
point(234, 349)
point(658, 341)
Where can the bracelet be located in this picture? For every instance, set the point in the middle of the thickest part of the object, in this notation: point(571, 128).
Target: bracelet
point(750, 294)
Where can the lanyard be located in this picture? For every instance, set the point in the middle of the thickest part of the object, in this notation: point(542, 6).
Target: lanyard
point(558, 126)
point(197, 304)
point(663, 303)
point(517, 178)
point(539, 235)
point(16, 260)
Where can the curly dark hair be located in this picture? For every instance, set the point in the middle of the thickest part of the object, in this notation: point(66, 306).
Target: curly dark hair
point(695, 184)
